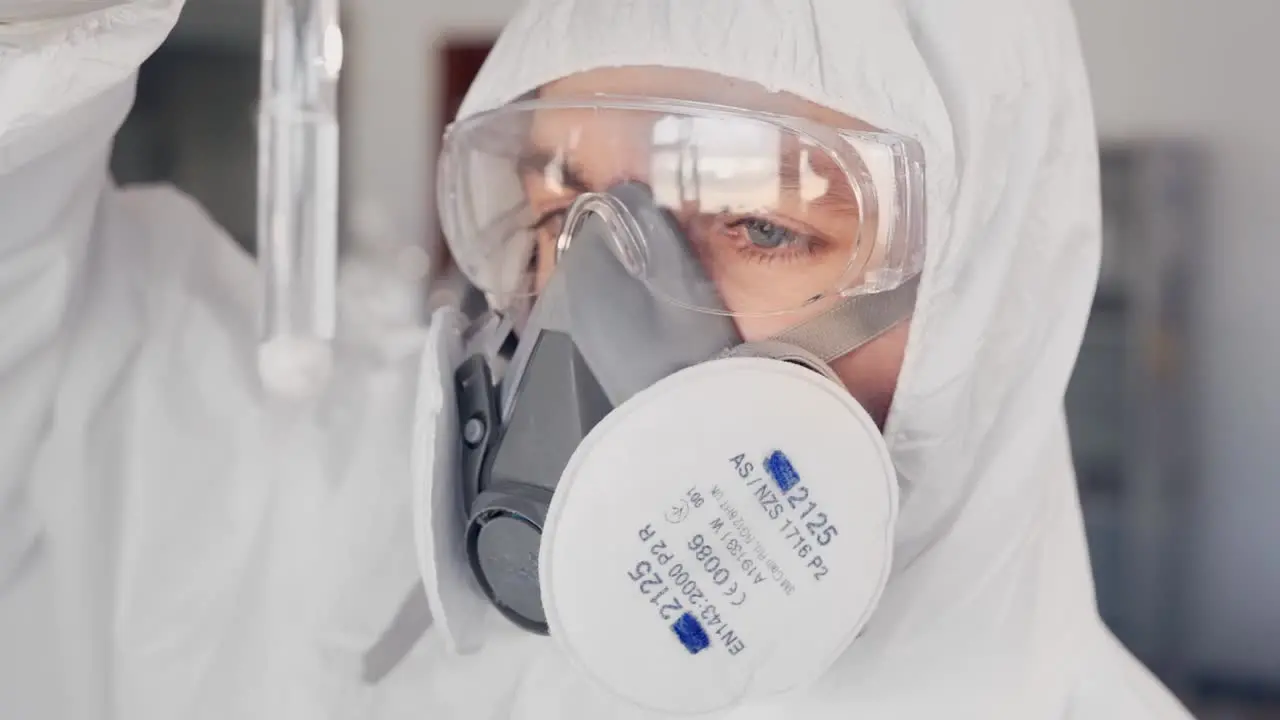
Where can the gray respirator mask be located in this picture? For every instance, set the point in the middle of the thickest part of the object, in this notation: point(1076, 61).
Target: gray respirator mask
point(596, 336)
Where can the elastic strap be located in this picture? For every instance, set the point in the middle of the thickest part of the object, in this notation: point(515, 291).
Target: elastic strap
point(409, 625)
point(854, 322)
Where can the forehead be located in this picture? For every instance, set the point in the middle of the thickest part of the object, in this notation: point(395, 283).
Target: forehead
point(611, 143)
point(693, 85)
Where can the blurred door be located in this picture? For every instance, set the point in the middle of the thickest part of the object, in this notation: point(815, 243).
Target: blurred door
point(1130, 400)
point(192, 126)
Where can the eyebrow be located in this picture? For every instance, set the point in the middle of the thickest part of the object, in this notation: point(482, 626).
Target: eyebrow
point(840, 194)
point(535, 162)
point(839, 200)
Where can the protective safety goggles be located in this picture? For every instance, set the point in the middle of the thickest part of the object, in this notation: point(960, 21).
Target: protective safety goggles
point(780, 212)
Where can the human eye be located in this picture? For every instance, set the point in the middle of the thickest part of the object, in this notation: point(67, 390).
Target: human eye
point(764, 239)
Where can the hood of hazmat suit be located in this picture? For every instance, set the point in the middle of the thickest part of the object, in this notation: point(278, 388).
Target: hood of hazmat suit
point(175, 545)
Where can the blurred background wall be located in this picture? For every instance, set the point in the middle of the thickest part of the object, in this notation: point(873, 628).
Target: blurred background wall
point(1182, 509)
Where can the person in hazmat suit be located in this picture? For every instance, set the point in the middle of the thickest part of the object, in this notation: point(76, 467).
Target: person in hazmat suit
point(820, 271)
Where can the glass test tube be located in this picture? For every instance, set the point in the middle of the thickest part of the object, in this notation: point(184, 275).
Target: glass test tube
point(297, 218)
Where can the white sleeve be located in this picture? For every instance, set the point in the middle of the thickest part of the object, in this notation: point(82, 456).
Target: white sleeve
point(183, 547)
point(67, 73)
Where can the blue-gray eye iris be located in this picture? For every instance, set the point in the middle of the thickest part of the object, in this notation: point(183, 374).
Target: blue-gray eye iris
point(766, 235)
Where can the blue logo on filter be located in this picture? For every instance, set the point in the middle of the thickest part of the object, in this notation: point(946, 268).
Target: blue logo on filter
point(782, 471)
point(691, 633)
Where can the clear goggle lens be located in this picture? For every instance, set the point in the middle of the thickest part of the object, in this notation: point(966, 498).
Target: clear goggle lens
point(779, 213)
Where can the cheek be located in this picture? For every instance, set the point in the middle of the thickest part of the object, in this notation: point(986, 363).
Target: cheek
point(871, 372)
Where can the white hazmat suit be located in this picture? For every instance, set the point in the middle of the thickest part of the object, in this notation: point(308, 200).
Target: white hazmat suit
point(173, 545)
